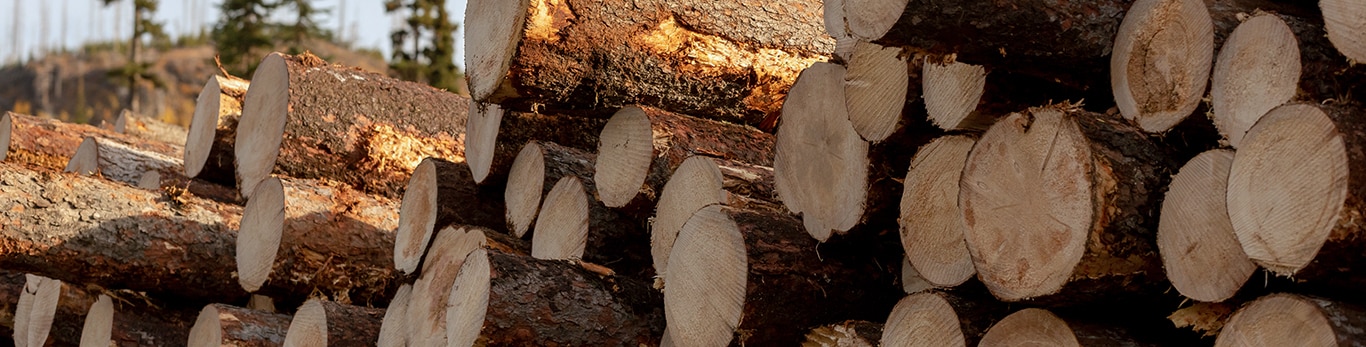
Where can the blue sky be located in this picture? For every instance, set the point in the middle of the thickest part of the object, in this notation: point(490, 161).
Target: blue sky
point(72, 22)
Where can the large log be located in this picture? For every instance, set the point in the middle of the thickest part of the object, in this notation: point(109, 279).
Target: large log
point(304, 118)
point(300, 237)
point(213, 129)
point(321, 323)
point(424, 322)
point(51, 143)
point(931, 223)
point(693, 57)
point(1055, 196)
point(760, 275)
point(225, 325)
point(99, 232)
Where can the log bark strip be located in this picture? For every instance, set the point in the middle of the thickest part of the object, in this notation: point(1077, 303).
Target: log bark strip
point(320, 323)
point(213, 129)
point(50, 143)
point(225, 325)
point(305, 118)
point(93, 231)
point(581, 55)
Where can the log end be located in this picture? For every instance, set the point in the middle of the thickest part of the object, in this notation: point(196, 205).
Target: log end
point(561, 230)
point(392, 329)
point(481, 138)
point(309, 326)
point(816, 145)
point(207, 330)
point(6, 128)
point(1258, 68)
point(708, 273)
point(1287, 185)
point(258, 239)
point(1161, 61)
point(265, 108)
point(875, 90)
point(468, 300)
point(86, 160)
point(150, 180)
point(625, 151)
point(931, 223)
point(526, 179)
point(1030, 327)
point(1278, 320)
point(871, 19)
point(1203, 258)
point(36, 310)
point(494, 29)
point(426, 308)
point(416, 217)
point(924, 319)
point(203, 126)
point(1345, 21)
point(97, 331)
point(952, 91)
point(696, 184)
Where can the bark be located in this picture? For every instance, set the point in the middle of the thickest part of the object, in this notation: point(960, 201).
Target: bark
point(124, 162)
point(138, 320)
point(50, 143)
point(365, 129)
point(583, 56)
point(550, 302)
point(851, 333)
point(461, 201)
point(238, 326)
point(518, 128)
point(219, 161)
point(87, 230)
point(336, 241)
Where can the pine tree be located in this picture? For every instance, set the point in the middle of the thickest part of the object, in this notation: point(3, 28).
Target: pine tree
point(242, 35)
point(134, 70)
point(431, 32)
point(304, 27)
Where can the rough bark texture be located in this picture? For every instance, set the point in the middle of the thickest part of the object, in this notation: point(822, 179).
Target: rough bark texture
point(727, 61)
point(518, 128)
point(363, 128)
point(92, 231)
point(124, 162)
point(220, 167)
point(351, 325)
point(616, 239)
point(155, 130)
point(677, 137)
point(175, 181)
point(461, 201)
point(336, 241)
point(51, 143)
point(795, 283)
point(536, 302)
point(243, 327)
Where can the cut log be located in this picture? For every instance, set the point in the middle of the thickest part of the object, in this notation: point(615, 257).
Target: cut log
point(624, 152)
point(37, 308)
point(561, 231)
point(393, 328)
point(696, 184)
point(481, 137)
point(321, 323)
point(875, 88)
point(118, 161)
point(151, 180)
point(301, 117)
point(121, 122)
point(508, 299)
point(261, 303)
point(306, 237)
point(576, 55)
point(1345, 21)
point(116, 236)
point(1295, 192)
point(1200, 253)
point(1292, 320)
point(86, 160)
point(821, 164)
point(1054, 196)
point(97, 329)
point(1324, 72)
point(154, 129)
point(224, 325)
point(1161, 61)
point(1258, 69)
point(136, 321)
point(213, 129)
point(519, 128)
point(931, 223)
point(750, 276)
point(952, 91)
point(439, 194)
point(51, 143)
point(524, 187)
point(924, 319)
point(851, 333)
point(1030, 326)
point(911, 281)
point(868, 20)
point(425, 315)
point(6, 128)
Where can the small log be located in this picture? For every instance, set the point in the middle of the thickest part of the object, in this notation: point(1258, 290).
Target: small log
point(510, 299)
point(1161, 61)
point(1292, 320)
point(1200, 252)
point(952, 91)
point(424, 322)
point(481, 137)
point(1038, 326)
point(301, 117)
point(393, 328)
point(519, 128)
point(153, 129)
point(924, 319)
point(118, 161)
point(116, 236)
point(126, 320)
point(760, 275)
point(1087, 187)
point(1295, 193)
point(820, 168)
point(1324, 72)
point(1345, 21)
point(561, 230)
point(931, 223)
point(210, 140)
point(321, 323)
point(440, 194)
point(300, 237)
point(576, 55)
point(37, 310)
point(851, 333)
point(6, 128)
point(51, 143)
point(875, 87)
point(696, 184)
point(225, 325)
point(1258, 68)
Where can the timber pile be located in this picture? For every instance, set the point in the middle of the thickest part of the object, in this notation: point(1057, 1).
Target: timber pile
point(703, 173)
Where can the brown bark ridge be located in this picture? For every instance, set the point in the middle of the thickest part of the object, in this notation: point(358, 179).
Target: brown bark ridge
point(93, 231)
point(124, 162)
point(51, 143)
point(511, 299)
point(1289, 319)
point(305, 118)
point(850, 333)
point(440, 194)
point(321, 323)
point(1095, 238)
point(226, 325)
point(137, 321)
point(764, 263)
point(210, 140)
point(727, 61)
point(334, 240)
point(518, 128)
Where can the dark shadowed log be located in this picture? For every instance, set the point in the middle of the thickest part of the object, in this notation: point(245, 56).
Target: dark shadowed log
point(694, 57)
point(51, 143)
point(510, 299)
point(440, 194)
point(518, 128)
point(321, 323)
point(213, 130)
point(304, 118)
point(761, 274)
point(225, 325)
point(137, 320)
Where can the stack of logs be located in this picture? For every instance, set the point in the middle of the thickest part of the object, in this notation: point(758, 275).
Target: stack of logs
point(845, 173)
